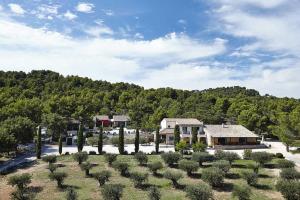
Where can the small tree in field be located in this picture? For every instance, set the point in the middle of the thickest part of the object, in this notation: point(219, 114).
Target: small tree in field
point(138, 178)
point(171, 158)
point(200, 191)
point(189, 166)
point(247, 154)
point(181, 146)
point(112, 191)
point(86, 166)
point(154, 166)
point(261, 157)
point(199, 147)
point(71, 194)
point(110, 158)
point(59, 177)
point(290, 190)
point(154, 193)
point(20, 181)
point(282, 163)
point(250, 177)
point(102, 176)
point(289, 174)
point(141, 157)
point(137, 141)
point(80, 157)
point(242, 192)
point(174, 176)
point(222, 165)
point(49, 158)
point(122, 167)
point(201, 157)
point(213, 176)
point(52, 167)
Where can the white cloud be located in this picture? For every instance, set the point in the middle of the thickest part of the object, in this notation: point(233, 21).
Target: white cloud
point(1, 8)
point(98, 31)
point(85, 7)
point(16, 8)
point(69, 15)
point(108, 12)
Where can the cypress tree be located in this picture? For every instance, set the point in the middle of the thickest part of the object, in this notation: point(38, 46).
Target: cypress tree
point(157, 140)
point(39, 143)
point(60, 145)
point(121, 140)
point(176, 136)
point(137, 141)
point(80, 138)
point(194, 135)
point(100, 141)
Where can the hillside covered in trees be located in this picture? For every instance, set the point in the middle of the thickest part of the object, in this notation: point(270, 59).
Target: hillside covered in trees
point(46, 97)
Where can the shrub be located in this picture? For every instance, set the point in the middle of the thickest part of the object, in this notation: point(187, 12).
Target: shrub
point(67, 153)
point(282, 163)
point(92, 141)
point(290, 190)
point(154, 193)
point(279, 155)
point(141, 157)
point(220, 154)
point(200, 191)
point(71, 194)
point(229, 156)
point(114, 141)
point(92, 153)
point(52, 167)
point(247, 154)
point(289, 173)
point(171, 158)
point(199, 146)
point(202, 157)
point(223, 165)
point(189, 166)
point(254, 167)
point(102, 176)
point(59, 177)
point(80, 157)
point(110, 158)
point(174, 176)
point(181, 146)
point(250, 177)
point(242, 192)
point(122, 167)
point(112, 191)
point(49, 158)
point(213, 176)
point(154, 166)
point(21, 181)
point(261, 157)
point(138, 178)
point(86, 166)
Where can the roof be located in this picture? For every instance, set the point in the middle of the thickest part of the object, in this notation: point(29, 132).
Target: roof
point(121, 118)
point(184, 121)
point(228, 131)
point(167, 131)
point(101, 117)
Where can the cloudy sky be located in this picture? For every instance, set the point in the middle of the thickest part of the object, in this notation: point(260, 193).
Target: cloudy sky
point(186, 44)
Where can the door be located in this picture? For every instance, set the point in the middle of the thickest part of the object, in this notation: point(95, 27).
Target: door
point(222, 141)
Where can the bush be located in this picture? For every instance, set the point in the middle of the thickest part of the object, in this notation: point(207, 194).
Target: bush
point(21, 181)
point(289, 174)
point(285, 163)
point(174, 176)
point(59, 177)
point(250, 177)
point(189, 166)
point(279, 155)
point(52, 167)
point(202, 157)
point(181, 146)
point(154, 166)
point(112, 191)
point(199, 146)
point(261, 157)
point(223, 165)
point(122, 167)
point(114, 141)
point(242, 192)
point(86, 166)
point(290, 190)
point(71, 194)
point(49, 158)
point(110, 158)
point(254, 167)
point(138, 178)
point(154, 193)
point(141, 157)
point(67, 153)
point(171, 158)
point(226, 155)
point(220, 154)
point(247, 154)
point(92, 153)
point(92, 141)
point(80, 157)
point(213, 176)
point(200, 191)
point(102, 176)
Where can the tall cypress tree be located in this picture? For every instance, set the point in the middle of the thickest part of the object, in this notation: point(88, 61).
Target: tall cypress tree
point(39, 143)
point(60, 145)
point(176, 136)
point(137, 141)
point(194, 135)
point(80, 138)
point(121, 140)
point(100, 141)
point(157, 140)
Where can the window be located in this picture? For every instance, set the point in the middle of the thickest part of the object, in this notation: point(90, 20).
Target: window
point(171, 138)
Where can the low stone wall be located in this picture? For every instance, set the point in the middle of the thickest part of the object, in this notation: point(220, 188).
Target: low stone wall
point(236, 147)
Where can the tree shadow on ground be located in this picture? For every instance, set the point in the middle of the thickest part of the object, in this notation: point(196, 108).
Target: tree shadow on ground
point(195, 175)
point(262, 187)
point(264, 176)
point(232, 175)
point(226, 187)
point(235, 165)
point(158, 175)
point(270, 166)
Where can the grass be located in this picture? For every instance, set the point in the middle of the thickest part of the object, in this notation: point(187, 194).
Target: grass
point(88, 189)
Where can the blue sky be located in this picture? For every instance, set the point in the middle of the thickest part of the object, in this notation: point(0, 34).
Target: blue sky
point(186, 44)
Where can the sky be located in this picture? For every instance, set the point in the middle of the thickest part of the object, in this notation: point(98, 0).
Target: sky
point(184, 44)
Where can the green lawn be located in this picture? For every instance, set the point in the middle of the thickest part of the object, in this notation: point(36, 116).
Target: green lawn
point(88, 188)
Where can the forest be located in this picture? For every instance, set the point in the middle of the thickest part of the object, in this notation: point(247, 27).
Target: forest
point(48, 98)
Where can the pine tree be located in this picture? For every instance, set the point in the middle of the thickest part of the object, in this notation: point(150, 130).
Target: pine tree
point(60, 145)
point(157, 140)
point(80, 138)
point(176, 136)
point(100, 141)
point(194, 135)
point(39, 143)
point(137, 141)
point(121, 140)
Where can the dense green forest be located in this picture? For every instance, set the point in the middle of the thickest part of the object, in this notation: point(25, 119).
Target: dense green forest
point(46, 97)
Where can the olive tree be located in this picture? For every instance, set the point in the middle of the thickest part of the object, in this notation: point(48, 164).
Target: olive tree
point(189, 166)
